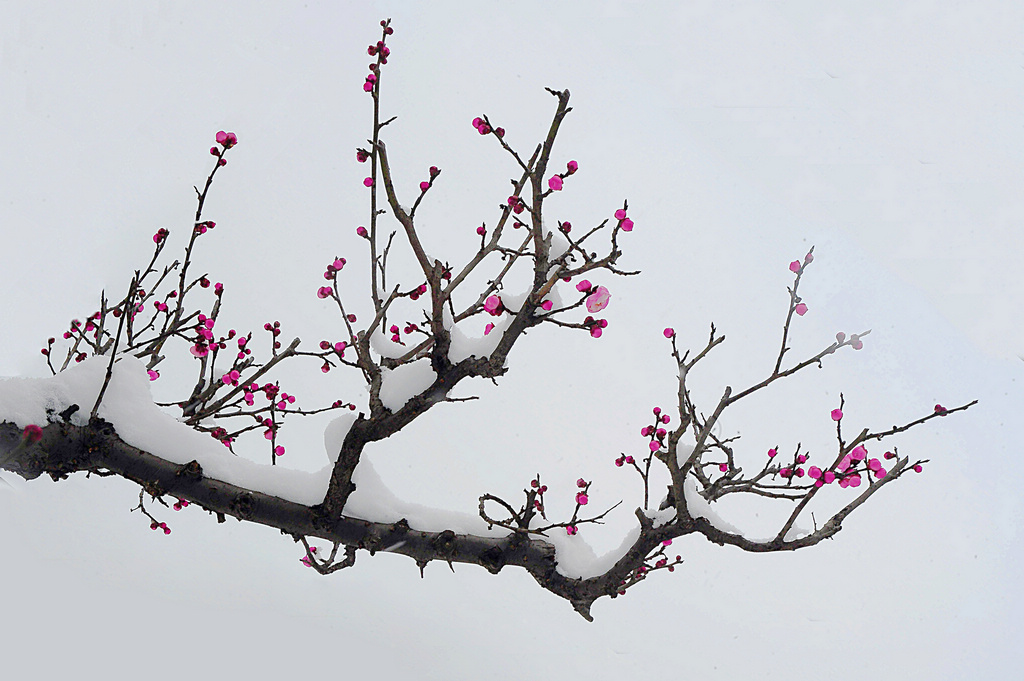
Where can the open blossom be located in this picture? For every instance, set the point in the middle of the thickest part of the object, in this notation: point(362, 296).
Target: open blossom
point(227, 139)
point(800, 309)
point(555, 183)
point(598, 300)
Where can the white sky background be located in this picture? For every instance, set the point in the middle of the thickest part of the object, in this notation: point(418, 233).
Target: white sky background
point(889, 139)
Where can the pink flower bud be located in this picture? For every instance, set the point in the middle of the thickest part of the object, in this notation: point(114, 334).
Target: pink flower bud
point(583, 286)
point(555, 183)
point(669, 332)
point(361, 231)
point(627, 225)
point(794, 266)
point(581, 499)
point(572, 167)
point(800, 309)
point(488, 328)
point(837, 414)
point(424, 186)
point(620, 214)
point(368, 182)
point(581, 482)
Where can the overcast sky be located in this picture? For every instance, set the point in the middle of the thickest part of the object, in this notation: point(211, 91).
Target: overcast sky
point(890, 139)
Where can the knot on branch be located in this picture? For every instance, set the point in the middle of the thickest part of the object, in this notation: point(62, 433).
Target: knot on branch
point(190, 471)
point(243, 506)
point(493, 559)
point(444, 545)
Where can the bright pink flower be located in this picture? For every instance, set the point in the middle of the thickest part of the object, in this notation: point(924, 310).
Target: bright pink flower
point(279, 451)
point(723, 467)
point(572, 167)
point(324, 292)
point(939, 409)
point(570, 530)
point(581, 482)
point(547, 305)
point(917, 468)
point(620, 214)
point(772, 452)
point(655, 445)
point(424, 186)
point(794, 266)
point(581, 499)
point(800, 309)
point(492, 304)
point(837, 414)
point(555, 183)
point(361, 231)
point(598, 300)
point(669, 332)
point(153, 375)
point(627, 225)
point(488, 328)
point(583, 286)
point(858, 453)
point(368, 182)
point(595, 331)
point(481, 230)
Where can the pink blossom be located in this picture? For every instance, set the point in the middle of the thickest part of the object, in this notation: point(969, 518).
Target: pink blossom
point(583, 286)
point(800, 309)
point(598, 300)
point(581, 482)
point(794, 266)
point(227, 139)
point(627, 225)
point(669, 332)
point(939, 409)
point(858, 453)
point(572, 167)
point(32, 433)
point(324, 292)
point(492, 304)
point(837, 414)
point(361, 231)
point(368, 182)
point(488, 328)
point(547, 305)
point(153, 375)
point(655, 445)
point(620, 214)
point(772, 452)
point(570, 530)
point(917, 468)
point(581, 499)
point(424, 186)
point(481, 231)
point(279, 451)
point(857, 344)
point(555, 183)
point(814, 472)
point(840, 337)
point(723, 467)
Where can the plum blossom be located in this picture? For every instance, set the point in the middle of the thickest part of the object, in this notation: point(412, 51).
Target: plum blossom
point(598, 300)
point(555, 183)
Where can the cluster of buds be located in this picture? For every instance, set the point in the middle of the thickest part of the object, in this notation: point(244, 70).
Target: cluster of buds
point(624, 222)
point(555, 181)
point(275, 331)
point(226, 140)
point(654, 432)
point(434, 172)
point(201, 227)
point(160, 235)
point(160, 526)
point(538, 501)
point(332, 269)
point(517, 205)
point(180, 504)
point(484, 128)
